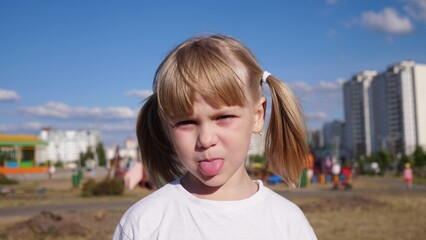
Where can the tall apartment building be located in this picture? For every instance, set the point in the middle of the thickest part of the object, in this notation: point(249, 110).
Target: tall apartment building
point(419, 73)
point(357, 105)
point(399, 121)
point(315, 139)
point(66, 146)
point(384, 111)
point(379, 113)
point(334, 138)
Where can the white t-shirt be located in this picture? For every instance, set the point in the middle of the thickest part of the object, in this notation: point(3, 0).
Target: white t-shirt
point(173, 213)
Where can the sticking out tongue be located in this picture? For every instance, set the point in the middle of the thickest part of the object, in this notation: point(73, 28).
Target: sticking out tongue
point(210, 167)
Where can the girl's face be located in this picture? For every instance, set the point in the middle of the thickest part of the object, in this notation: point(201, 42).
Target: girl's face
point(212, 143)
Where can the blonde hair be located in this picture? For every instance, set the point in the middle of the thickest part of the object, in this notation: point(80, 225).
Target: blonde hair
point(221, 70)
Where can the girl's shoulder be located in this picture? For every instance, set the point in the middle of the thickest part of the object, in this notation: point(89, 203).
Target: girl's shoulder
point(144, 217)
point(158, 199)
point(286, 213)
point(281, 205)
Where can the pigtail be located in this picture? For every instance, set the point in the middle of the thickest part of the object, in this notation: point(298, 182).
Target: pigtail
point(285, 145)
point(155, 146)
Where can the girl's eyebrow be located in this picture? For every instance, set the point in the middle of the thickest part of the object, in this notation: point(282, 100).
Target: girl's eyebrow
point(228, 108)
point(218, 111)
point(181, 117)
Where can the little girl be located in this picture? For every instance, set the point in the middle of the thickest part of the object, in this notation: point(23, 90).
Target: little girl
point(194, 132)
point(408, 176)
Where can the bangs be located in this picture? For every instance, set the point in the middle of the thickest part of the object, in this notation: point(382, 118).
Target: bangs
point(198, 68)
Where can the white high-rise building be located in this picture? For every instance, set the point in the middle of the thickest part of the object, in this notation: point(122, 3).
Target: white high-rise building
point(387, 111)
point(334, 137)
point(358, 115)
point(379, 130)
point(129, 151)
point(66, 146)
point(420, 103)
point(316, 139)
point(400, 121)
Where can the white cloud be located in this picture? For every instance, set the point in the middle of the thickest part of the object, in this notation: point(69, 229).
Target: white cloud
point(8, 95)
point(341, 81)
point(139, 93)
point(126, 126)
point(110, 132)
point(21, 127)
point(32, 126)
point(329, 86)
point(116, 127)
point(331, 33)
point(388, 21)
point(315, 116)
point(320, 101)
point(300, 87)
point(416, 9)
point(62, 111)
point(331, 2)
point(350, 22)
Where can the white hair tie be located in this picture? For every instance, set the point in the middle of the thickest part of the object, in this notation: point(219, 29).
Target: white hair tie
point(265, 75)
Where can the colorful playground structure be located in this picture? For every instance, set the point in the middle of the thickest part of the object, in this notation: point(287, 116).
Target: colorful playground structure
point(20, 154)
point(316, 171)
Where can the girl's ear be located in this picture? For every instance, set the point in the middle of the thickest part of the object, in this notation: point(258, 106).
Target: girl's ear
point(259, 115)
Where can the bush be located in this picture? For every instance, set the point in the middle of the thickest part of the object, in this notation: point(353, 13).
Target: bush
point(59, 164)
point(362, 166)
point(112, 186)
point(5, 180)
point(89, 188)
point(419, 157)
point(382, 158)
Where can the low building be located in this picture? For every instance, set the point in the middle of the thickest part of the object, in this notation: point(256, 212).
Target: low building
point(128, 153)
point(21, 154)
point(67, 145)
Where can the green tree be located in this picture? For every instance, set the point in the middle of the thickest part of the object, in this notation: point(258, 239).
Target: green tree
point(101, 154)
point(384, 159)
point(85, 156)
point(82, 159)
point(257, 165)
point(258, 159)
point(362, 164)
point(404, 159)
point(419, 157)
point(59, 164)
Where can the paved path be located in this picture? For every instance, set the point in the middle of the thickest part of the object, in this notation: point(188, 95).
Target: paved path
point(32, 210)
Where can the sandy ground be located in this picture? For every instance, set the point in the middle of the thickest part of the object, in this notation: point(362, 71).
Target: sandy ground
point(376, 208)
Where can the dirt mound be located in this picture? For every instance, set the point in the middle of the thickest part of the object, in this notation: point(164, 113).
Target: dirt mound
point(341, 203)
point(46, 224)
point(90, 225)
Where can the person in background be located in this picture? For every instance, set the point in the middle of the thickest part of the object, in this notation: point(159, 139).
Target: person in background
point(51, 169)
point(335, 171)
point(347, 176)
point(408, 176)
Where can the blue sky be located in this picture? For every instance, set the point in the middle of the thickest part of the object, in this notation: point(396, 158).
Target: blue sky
point(89, 64)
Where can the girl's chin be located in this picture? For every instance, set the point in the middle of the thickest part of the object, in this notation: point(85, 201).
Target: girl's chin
point(201, 179)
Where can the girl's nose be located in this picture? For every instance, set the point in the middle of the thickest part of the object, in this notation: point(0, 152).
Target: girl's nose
point(206, 137)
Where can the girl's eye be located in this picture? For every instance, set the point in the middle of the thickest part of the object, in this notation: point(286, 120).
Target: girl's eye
point(183, 123)
point(226, 117)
